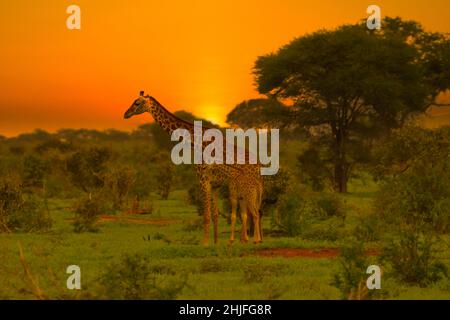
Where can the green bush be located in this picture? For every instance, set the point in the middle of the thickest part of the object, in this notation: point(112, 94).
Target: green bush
point(329, 205)
point(314, 169)
point(331, 229)
point(416, 204)
point(417, 188)
point(34, 171)
point(293, 215)
point(309, 214)
point(165, 178)
point(118, 183)
point(87, 214)
point(413, 258)
point(368, 228)
point(275, 186)
point(193, 225)
point(87, 167)
point(213, 265)
point(419, 198)
point(351, 277)
point(134, 278)
point(19, 212)
point(194, 197)
point(144, 183)
point(256, 273)
point(164, 174)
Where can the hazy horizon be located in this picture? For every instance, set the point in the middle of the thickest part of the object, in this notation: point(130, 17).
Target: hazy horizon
point(195, 56)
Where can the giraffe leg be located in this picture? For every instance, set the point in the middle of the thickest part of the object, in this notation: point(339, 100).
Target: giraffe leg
point(234, 203)
point(244, 212)
point(206, 199)
point(215, 211)
point(256, 223)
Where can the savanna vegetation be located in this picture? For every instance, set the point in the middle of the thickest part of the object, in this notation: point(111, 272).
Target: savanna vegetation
point(360, 184)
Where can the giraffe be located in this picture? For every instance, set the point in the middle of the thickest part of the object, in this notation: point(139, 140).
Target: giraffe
point(244, 180)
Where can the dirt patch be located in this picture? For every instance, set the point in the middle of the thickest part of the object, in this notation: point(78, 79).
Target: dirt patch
point(159, 222)
point(305, 253)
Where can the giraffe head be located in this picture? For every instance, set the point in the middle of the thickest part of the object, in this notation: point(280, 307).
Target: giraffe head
point(144, 103)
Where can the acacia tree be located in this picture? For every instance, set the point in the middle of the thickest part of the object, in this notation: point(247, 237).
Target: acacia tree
point(353, 83)
point(261, 113)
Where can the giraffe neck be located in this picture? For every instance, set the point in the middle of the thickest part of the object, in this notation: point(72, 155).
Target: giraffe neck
point(167, 120)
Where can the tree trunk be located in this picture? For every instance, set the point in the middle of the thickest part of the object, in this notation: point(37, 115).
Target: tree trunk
point(340, 177)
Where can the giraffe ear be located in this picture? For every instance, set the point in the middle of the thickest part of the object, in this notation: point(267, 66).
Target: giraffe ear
point(141, 93)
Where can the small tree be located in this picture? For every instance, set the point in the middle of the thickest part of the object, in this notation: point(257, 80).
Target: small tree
point(34, 171)
point(415, 199)
point(350, 279)
point(417, 188)
point(164, 175)
point(118, 183)
point(87, 167)
point(412, 257)
point(20, 212)
point(87, 214)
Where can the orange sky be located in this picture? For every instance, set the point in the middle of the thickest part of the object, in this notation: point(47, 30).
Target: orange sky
point(195, 55)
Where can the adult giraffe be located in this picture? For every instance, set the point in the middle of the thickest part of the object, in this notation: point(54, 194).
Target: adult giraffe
point(244, 180)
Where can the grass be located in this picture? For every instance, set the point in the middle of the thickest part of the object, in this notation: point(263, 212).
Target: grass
point(215, 272)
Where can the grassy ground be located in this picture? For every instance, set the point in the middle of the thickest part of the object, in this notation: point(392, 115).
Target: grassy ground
point(216, 272)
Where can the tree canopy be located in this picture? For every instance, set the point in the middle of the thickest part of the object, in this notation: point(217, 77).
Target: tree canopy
point(355, 83)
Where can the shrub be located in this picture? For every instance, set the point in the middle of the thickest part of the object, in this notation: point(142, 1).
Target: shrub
point(34, 171)
point(331, 229)
point(164, 175)
point(275, 186)
point(86, 167)
point(118, 183)
point(368, 228)
point(193, 225)
point(144, 183)
point(314, 169)
point(419, 198)
point(256, 273)
point(195, 197)
point(417, 202)
point(412, 257)
point(87, 214)
point(213, 265)
point(61, 145)
point(17, 150)
point(165, 178)
point(134, 278)
point(310, 214)
point(292, 215)
point(20, 213)
point(418, 190)
point(351, 276)
point(329, 205)
point(35, 216)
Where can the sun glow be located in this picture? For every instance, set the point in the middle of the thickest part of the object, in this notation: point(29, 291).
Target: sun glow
point(214, 114)
point(191, 55)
